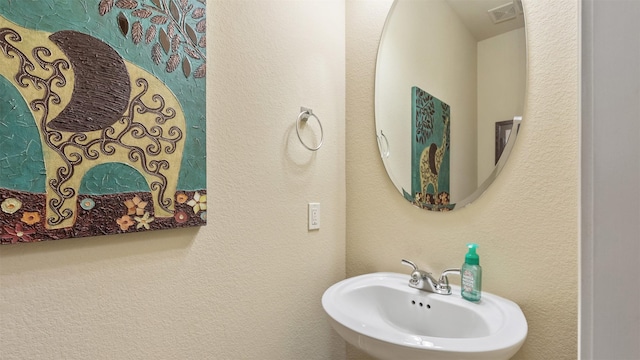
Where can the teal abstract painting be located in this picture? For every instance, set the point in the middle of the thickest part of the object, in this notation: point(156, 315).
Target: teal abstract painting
point(102, 117)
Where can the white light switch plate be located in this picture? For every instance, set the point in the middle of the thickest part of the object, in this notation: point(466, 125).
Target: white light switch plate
point(314, 216)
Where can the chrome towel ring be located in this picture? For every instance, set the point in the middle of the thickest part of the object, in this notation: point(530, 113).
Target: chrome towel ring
point(386, 152)
point(305, 114)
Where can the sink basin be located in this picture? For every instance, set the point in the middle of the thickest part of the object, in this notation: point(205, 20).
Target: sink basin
point(380, 314)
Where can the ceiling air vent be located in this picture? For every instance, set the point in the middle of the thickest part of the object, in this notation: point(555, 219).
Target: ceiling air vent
point(503, 13)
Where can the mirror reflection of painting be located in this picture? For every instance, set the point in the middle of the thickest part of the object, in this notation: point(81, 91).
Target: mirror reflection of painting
point(430, 133)
point(102, 124)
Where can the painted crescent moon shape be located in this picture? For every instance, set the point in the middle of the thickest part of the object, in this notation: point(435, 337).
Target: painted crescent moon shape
point(102, 86)
point(432, 158)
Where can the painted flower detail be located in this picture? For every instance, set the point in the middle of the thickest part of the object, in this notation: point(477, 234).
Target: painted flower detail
point(144, 221)
point(181, 198)
point(11, 205)
point(17, 234)
point(203, 215)
point(181, 217)
point(125, 222)
point(135, 206)
point(198, 203)
point(443, 197)
point(30, 217)
point(87, 204)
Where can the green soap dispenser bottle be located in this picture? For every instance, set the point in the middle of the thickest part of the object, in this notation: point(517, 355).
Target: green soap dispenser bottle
point(471, 274)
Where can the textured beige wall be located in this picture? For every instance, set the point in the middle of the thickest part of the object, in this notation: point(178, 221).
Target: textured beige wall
point(248, 285)
point(527, 221)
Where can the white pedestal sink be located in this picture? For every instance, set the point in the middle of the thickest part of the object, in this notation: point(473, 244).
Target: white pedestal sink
point(380, 314)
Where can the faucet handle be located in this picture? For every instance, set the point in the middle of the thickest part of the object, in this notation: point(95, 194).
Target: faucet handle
point(444, 279)
point(416, 274)
point(410, 263)
point(443, 276)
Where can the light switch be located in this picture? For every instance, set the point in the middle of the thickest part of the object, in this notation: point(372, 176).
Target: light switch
point(314, 216)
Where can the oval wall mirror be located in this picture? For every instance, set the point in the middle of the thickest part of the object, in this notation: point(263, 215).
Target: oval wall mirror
point(449, 95)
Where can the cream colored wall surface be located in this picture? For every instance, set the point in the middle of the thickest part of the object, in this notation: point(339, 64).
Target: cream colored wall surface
point(247, 285)
point(527, 221)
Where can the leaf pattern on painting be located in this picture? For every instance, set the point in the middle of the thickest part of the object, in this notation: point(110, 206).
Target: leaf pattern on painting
point(159, 19)
point(142, 13)
point(127, 4)
point(123, 24)
point(198, 13)
point(136, 32)
point(425, 110)
point(175, 42)
point(201, 26)
point(176, 27)
point(174, 10)
point(156, 53)
point(186, 67)
point(192, 34)
point(191, 52)
point(200, 71)
point(173, 62)
point(150, 34)
point(105, 6)
point(165, 41)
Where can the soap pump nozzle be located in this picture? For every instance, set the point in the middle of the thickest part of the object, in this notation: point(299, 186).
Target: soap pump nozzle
point(472, 257)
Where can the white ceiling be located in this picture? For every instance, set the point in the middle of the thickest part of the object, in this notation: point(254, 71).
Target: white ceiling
point(474, 14)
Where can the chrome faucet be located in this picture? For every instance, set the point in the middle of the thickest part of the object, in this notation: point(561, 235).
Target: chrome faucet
point(423, 280)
